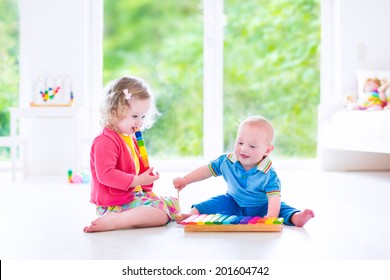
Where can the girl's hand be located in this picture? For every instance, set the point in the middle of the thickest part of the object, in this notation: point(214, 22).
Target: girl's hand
point(179, 183)
point(147, 177)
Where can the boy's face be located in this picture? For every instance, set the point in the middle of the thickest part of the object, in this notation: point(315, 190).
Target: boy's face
point(252, 145)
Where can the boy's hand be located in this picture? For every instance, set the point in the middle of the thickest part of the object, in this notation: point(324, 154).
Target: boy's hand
point(179, 183)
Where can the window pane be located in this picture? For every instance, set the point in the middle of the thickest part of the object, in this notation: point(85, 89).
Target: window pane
point(271, 68)
point(161, 42)
point(9, 66)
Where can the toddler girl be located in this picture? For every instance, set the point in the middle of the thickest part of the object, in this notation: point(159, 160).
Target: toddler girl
point(121, 186)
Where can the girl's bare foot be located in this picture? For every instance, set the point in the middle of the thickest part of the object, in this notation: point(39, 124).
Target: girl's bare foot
point(103, 223)
point(299, 219)
point(139, 217)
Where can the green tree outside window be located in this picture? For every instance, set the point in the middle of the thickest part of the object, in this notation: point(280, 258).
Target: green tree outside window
point(9, 65)
point(271, 51)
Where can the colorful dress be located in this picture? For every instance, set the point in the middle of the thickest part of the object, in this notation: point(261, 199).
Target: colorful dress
point(371, 101)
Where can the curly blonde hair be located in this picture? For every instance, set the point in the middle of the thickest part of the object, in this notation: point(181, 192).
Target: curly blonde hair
point(115, 105)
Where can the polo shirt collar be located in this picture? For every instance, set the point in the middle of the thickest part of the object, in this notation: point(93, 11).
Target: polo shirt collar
point(263, 166)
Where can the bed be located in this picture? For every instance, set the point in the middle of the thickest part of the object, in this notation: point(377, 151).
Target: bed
point(357, 131)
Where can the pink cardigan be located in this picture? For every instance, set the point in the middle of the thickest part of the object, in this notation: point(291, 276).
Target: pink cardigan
point(113, 170)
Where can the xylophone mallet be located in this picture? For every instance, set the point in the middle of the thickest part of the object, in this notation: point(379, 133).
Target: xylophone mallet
point(142, 148)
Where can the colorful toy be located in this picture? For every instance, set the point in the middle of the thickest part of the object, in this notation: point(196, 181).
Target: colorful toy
point(70, 173)
point(142, 148)
point(49, 93)
point(82, 178)
point(219, 222)
point(52, 91)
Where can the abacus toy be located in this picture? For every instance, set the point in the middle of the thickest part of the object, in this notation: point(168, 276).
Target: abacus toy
point(219, 222)
point(49, 93)
point(52, 91)
point(142, 148)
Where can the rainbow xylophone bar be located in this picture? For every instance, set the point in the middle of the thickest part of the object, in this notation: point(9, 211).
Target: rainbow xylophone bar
point(219, 222)
point(142, 148)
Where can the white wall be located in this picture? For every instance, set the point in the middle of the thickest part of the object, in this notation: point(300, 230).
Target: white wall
point(359, 39)
point(59, 37)
point(52, 41)
point(354, 36)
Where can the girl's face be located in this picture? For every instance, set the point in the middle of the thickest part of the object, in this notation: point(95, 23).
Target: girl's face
point(134, 116)
point(371, 86)
point(252, 145)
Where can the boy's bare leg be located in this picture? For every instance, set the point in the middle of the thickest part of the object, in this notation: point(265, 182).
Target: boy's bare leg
point(142, 216)
point(182, 217)
point(299, 219)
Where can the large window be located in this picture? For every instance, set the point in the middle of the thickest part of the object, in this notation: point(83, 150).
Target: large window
point(161, 41)
point(9, 66)
point(270, 67)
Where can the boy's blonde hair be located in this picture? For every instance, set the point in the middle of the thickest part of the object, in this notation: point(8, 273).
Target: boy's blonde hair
point(115, 105)
point(262, 123)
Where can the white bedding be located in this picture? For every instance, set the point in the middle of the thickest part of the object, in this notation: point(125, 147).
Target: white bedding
point(357, 130)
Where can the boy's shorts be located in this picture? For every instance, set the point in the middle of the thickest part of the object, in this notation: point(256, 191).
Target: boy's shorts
point(169, 205)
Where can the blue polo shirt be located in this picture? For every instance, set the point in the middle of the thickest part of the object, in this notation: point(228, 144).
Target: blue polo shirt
point(248, 188)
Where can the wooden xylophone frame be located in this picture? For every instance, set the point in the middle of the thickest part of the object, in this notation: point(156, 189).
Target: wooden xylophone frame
point(266, 225)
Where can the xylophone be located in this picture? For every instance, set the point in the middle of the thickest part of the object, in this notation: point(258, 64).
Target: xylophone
point(219, 222)
point(142, 148)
